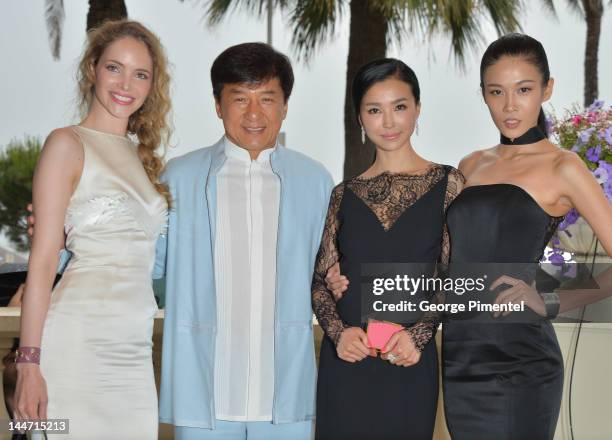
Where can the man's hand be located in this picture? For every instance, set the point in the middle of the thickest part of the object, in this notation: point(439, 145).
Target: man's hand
point(336, 282)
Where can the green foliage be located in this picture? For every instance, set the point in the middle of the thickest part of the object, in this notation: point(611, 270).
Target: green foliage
point(314, 21)
point(17, 162)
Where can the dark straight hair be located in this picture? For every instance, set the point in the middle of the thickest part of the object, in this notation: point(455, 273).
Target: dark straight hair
point(380, 70)
point(251, 63)
point(523, 46)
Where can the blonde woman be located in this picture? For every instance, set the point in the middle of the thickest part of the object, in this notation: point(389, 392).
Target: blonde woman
point(85, 351)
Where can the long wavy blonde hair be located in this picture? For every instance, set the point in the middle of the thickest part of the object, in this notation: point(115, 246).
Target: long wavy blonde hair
point(150, 122)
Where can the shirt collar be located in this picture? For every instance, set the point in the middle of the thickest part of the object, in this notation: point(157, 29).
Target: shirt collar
point(234, 151)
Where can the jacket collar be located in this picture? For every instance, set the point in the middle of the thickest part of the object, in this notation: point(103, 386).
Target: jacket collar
point(277, 157)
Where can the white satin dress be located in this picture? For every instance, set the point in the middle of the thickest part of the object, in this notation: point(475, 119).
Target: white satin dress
point(97, 340)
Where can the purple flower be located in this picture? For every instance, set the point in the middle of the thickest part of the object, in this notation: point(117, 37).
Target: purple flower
point(597, 104)
point(607, 187)
point(556, 259)
point(571, 270)
point(607, 135)
point(577, 147)
point(550, 124)
point(606, 166)
point(593, 153)
point(601, 174)
point(570, 218)
point(586, 135)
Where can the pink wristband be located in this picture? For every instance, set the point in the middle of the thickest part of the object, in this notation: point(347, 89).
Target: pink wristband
point(30, 355)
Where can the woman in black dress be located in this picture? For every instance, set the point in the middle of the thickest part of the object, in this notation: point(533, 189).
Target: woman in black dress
point(505, 381)
point(393, 213)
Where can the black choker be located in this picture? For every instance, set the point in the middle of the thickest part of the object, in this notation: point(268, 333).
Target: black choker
point(531, 136)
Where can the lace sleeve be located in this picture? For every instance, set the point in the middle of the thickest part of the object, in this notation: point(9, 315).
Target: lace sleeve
point(455, 184)
point(425, 329)
point(323, 303)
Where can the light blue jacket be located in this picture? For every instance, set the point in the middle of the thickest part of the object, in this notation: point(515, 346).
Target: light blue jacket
point(185, 256)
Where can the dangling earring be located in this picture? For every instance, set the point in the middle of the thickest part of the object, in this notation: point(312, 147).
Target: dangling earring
point(417, 127)
point(362, 135)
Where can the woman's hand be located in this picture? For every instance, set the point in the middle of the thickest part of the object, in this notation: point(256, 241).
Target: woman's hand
point(30, 393)
point(336, 282)
point(519, 291)
point(400, 350)
point(15, 300)
point(353, 345)
point(31, 220)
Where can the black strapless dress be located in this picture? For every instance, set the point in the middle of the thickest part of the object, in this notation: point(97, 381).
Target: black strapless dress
point(501, 381)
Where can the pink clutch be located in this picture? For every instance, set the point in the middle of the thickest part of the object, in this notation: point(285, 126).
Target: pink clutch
point(379, 333)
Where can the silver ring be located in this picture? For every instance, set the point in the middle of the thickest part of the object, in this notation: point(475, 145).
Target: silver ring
point(391, 357)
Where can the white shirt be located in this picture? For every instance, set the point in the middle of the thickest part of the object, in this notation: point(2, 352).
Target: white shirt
point(248, 196)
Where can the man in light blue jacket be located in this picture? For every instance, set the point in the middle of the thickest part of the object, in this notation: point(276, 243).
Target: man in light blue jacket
point(247, 218)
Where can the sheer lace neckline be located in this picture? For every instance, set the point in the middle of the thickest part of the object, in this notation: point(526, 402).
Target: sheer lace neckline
point(385, 174)
point(389, 195)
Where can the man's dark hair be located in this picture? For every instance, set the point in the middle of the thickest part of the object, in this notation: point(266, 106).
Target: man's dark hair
point(251, 63)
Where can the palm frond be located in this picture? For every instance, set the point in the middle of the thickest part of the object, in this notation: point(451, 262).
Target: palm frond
point(549, 7)
point(458, 19)
point(218, 9)
point(313, 22)
point(576, 7)
point(54, 17)
point(461, 21)
point(404, 16)
point(504, 14)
